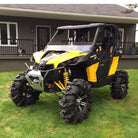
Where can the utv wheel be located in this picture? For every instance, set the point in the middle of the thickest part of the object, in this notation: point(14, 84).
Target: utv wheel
point(119, 85)
point(21, 93)
point(76, 101)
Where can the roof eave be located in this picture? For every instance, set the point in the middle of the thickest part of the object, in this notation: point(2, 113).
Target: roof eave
point(65, 16)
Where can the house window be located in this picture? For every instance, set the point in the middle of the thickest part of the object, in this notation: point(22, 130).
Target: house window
point(121, 32)
point(3, 28)
point(8, 34)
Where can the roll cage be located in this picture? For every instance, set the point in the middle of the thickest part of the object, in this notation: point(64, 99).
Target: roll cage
point(95, 35)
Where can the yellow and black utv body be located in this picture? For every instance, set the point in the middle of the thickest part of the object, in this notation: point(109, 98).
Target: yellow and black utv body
point(76, 59)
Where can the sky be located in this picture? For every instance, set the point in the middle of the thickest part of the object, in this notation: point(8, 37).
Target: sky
point(71, 1)
point(119, 2)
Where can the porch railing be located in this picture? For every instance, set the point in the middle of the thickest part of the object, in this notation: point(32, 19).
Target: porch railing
point(130, 48)
point(26, 47)
point(16, 47)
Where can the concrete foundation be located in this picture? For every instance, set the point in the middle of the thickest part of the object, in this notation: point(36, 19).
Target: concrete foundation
point(128, 62)
point(16, 63)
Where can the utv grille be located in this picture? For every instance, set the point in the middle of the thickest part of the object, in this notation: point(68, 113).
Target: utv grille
point(46, 67)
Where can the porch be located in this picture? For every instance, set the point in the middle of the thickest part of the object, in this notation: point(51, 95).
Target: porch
point(11, 58)
point(16, 47)
point(26, 47)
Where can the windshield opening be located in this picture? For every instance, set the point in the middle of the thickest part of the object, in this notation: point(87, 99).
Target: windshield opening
point(73, 39)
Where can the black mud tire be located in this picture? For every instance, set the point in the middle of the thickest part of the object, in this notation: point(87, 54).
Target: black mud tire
point(76, 101)
point(119, 85)
point(21, 93)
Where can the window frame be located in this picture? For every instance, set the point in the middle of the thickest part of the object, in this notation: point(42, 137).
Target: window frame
point(121, 37)
point(8, 33)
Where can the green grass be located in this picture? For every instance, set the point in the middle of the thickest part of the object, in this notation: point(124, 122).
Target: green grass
point(109, 118)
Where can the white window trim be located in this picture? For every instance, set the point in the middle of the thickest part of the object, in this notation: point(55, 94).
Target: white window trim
point(122, 30)
point(8, 33)
point(122, 37)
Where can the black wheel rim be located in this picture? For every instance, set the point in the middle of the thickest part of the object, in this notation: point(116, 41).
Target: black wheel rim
point(81, 102)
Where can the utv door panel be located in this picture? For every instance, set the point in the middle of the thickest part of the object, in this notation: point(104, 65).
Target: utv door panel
point(99, 70)
point(103, 69)
point(91, 72)
point(113, 66)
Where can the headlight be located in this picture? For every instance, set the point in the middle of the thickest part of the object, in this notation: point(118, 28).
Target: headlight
point(69, 62)
point(32, 59)
point(72, 61)
point(42, 62)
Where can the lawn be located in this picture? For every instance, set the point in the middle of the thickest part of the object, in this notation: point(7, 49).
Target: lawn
point(109, 118)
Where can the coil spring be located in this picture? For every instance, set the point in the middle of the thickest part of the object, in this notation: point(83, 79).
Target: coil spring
point(66, 78)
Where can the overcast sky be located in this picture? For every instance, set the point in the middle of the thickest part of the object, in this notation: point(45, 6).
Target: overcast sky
point(71, 1)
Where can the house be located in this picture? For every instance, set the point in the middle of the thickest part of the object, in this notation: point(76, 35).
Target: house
point(25, 28)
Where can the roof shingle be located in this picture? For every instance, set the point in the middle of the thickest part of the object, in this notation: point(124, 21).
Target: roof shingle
point(95, 9)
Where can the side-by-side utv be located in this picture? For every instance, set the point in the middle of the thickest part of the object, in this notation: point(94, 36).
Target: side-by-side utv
point(76, 59)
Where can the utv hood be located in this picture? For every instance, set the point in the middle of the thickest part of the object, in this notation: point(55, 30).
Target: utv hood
point(58, 58)
point(38, 55)
point(64, 57)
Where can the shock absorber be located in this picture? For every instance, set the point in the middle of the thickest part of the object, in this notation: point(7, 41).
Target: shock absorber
point(66, 77)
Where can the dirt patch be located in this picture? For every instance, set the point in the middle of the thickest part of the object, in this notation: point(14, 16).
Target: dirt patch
point(5, 99)
point(8, 128)
point(49, 129)
point(4, 86)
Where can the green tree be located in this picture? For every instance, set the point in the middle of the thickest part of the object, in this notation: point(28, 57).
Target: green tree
point(131, 8)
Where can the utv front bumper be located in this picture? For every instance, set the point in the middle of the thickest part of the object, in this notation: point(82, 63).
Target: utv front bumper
point(35, 79)
point(40, 79)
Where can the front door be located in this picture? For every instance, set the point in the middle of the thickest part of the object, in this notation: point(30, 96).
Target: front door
point(43, 36)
